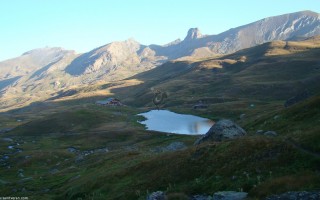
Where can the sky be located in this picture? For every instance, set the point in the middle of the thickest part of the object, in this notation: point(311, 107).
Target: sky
point(83, 25)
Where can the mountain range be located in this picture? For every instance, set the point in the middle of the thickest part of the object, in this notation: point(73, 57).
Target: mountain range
point(44, 73)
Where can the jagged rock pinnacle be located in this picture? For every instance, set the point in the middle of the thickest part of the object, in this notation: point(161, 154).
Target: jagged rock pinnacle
point(193, 33)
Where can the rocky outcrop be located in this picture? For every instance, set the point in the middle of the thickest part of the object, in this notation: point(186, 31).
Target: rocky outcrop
point(222, 130)
point(301, 195)
point(193, 34)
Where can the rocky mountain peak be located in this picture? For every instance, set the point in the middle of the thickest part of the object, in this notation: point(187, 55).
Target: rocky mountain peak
point(193, 33)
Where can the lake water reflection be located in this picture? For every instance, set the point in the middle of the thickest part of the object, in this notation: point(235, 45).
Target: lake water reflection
point(170, 122)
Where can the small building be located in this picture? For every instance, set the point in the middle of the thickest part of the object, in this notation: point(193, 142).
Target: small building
point(109, 102)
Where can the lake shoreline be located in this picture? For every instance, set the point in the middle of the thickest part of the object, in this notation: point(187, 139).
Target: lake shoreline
point(174, 123)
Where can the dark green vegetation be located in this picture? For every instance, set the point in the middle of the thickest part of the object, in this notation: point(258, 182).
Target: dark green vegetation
point(64, 143)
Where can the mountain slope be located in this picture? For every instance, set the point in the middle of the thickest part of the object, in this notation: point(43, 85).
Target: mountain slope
point(45, 73)
point(294, 25)
point(114, 56)
point(272, 72)
point(31, 61)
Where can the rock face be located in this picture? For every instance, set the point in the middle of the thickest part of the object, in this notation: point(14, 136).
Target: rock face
point(193, 34)
point(283, 27)
point(301, 195)
point(222, 130)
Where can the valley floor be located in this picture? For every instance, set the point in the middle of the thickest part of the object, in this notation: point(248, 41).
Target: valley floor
point(84, 151)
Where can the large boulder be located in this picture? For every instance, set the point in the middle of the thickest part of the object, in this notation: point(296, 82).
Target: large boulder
point(159, 195)
point(222, 130)
point(229, 195)
point(267, 133)
point(300, 195)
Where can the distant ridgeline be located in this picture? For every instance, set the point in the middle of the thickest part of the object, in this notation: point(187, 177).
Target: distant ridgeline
point(42, 74)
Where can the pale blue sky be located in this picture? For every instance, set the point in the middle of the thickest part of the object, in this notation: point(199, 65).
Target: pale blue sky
point(82, 25)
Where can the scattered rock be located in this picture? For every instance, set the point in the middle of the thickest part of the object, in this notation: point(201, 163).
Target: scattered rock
point(74, 178)
point(276, 117)
point(5, 130)
point(131, 148)
point(242, 116)
point(159, 195)
point(18, 150)
point(72, 149)
point(259, 132)
point(79, 158)
point(200, 105)
point(102, 150)
point(229, 195)
point(174, 146)
point(234, 178)
point(54, 171)
point(3, 182)
point(87, 152)
point(222, 130)
point(7, 139)
point(267, 133)
point(45, 190)
point(270, 133)
point(301, 195)
point(25, 180)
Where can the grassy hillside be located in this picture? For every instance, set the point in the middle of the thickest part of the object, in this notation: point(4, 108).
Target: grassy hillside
point(69, 148)
point(131, 168)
